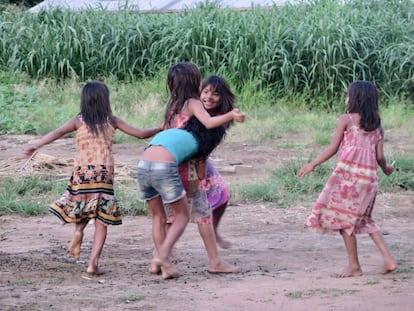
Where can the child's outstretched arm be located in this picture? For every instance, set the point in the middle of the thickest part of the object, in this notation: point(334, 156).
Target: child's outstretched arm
point(197, 109)
point(66, 128)
point(382, 162)
point(136, 132)
point(331, 150)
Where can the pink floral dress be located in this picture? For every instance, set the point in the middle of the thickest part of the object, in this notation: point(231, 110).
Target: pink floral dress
point(347, 200)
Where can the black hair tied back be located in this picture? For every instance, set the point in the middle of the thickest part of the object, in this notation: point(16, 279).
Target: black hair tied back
point(207, 139)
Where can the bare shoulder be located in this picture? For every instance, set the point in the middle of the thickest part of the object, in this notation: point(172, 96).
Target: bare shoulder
point(192, 105)
point(74, 123)
point(344, 121)
point(347, 120)
point(116, 121)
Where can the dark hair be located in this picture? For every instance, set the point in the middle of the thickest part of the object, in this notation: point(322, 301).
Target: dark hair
point(95, 107)
point(183, 83)
point(207, 139)
point(227, 98)
point(363, 99)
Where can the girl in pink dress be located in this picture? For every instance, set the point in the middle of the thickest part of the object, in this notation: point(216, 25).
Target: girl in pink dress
point(345, 204)
point(217, 98)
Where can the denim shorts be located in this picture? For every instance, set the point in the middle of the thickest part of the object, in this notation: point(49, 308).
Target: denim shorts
point(159, 179)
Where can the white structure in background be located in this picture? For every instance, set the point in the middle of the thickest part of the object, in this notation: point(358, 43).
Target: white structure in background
point(151, 5)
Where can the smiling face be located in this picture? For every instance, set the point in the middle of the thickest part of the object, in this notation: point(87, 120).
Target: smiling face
point(210, 98)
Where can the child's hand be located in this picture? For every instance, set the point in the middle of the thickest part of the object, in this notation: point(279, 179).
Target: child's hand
point(305, 170)
point(29, 151)
point(388, 170)
point(238, 116)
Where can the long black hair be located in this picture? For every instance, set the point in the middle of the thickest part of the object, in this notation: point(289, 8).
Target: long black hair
point(207, 139)
point(95, 107)
point(183, 83)
point(363, 99)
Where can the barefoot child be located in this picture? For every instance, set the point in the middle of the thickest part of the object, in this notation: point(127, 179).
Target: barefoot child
point(217, 99)
point(345, 204)
point(183, 82)
point(90, 192)
point(159, 183)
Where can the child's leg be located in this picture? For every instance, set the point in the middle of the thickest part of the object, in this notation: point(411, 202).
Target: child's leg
point(99, 238)
point(353, 268)
point(77, 238)
point(217, 214)
point(158, 230)
point(180, 210)
point(217, 265)
point(389, 263)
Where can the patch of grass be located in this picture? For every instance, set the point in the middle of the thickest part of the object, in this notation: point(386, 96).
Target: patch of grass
point(283, 188)
point(32, 195)
point(372, 282)
point(331, 292)
point(126, 193)
point(132, 298)
point(404, 270)
point(28, 195)
point(21, 283)
point(294, 295)
point(403, 176)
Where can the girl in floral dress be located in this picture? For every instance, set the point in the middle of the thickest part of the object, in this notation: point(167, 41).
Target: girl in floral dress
point(217, 98)
point(345, 204)
point(90, 191)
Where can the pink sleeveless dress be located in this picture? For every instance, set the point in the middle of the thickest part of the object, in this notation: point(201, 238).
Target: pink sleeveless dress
point(347, 200)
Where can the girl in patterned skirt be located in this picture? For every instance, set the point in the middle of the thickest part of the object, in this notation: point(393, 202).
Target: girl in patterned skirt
point(345, 204)
point(217, 98)
point(90, 191)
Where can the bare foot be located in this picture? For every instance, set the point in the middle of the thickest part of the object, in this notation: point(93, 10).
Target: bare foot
point(154, 268)
point(223, 267)
point(95, 271)
point(167, 271)
point(348, 273)
point(223, 243)
point(389, 267)
point(75, 245)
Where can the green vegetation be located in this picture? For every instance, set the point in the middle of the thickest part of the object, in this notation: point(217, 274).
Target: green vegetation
point(289, 67)
point(321, 292)
point(132, 298)
point(315, 49)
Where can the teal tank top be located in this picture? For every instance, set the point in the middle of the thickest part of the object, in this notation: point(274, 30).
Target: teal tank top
point(181, 144)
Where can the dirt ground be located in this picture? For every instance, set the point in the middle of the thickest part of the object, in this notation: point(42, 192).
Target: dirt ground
point(282, 265)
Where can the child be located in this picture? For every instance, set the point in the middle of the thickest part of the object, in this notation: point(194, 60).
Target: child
point(347, 200)
point(183, 82)
point(159, 183)
point(90, 192)
point(217, 99)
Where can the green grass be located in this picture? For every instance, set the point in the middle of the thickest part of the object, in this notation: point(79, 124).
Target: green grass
point(39, 106)
point(132, 298)
point(27, 196)
point(315, 49)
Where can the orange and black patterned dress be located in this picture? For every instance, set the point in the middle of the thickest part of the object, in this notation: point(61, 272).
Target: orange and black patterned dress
point(90, 191)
